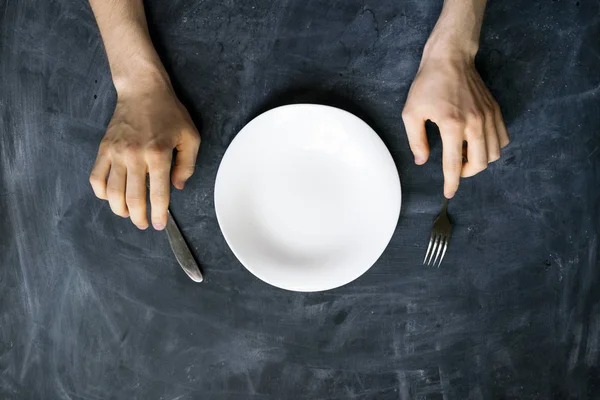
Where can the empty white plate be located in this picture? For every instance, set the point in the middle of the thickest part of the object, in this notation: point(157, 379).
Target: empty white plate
point(307, 197)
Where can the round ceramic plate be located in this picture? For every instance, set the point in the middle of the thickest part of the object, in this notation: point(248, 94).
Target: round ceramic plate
point(307, 197)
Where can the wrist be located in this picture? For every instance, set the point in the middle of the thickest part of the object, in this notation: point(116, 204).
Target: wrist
point(445, 46)
point(456, 33)
point(141, 76)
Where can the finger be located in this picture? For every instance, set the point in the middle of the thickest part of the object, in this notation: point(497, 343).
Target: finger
point(503, 136)
point(159, 189)
point(477, 159)
point(491, 139)
point(99, 175)
point(417, 137)
point(135, 195)
point(185, 160)
point(495, 130)
point(115, 190)
point(452, 141)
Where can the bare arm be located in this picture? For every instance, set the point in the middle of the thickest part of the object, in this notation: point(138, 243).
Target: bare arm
point(147, 124)
point(448, 91)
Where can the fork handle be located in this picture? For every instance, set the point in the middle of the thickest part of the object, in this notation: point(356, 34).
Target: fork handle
point(445, 205)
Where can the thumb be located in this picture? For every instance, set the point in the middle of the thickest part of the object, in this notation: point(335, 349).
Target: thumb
point(417, 138)
point(185, 160)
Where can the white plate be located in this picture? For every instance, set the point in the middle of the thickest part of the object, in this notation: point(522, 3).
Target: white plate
point(307, 197)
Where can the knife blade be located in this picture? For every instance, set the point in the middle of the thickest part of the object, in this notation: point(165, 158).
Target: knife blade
point(181, 250)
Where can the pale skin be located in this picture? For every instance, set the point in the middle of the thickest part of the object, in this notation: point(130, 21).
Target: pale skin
point(448, 90)
point(149, 122)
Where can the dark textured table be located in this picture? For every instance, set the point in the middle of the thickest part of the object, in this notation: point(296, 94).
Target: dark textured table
point(91, 308)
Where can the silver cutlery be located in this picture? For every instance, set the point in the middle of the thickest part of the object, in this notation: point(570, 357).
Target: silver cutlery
point(180, 248)
point(440, 236)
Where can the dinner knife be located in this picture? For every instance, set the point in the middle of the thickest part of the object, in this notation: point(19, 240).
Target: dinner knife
point(181, 250)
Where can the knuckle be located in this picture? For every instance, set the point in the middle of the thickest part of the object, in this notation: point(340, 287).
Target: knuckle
point(104, 146)
point(186, 172)
point(134, 200)
point(139, 220)
point(494, 156)
point(118, 208)
point(114, 192)
point(114, 146)
point(195, 138)
point(407, 114)
point(99, 193)
point(122, 149)
point(131, 150)
point(476, 116)
point(95, 179)
point(453, 121)
point(157, 153)
point(479, 166)
point(158, 148)
point(103, 151)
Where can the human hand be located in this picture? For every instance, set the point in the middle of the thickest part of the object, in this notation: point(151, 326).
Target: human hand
point(449, 92)
point(146, 126)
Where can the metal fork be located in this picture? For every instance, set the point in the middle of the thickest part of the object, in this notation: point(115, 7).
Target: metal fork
point(440, 236)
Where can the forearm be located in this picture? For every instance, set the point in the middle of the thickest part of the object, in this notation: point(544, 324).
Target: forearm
point(134, 63)
point(457, 31)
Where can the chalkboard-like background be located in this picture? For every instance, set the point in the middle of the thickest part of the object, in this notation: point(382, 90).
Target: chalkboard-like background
point(91, 308)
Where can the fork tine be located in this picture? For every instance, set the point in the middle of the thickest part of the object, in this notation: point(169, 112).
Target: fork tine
point(429, 247)
point(434, 249)
point(444, 252)
point(439, 249)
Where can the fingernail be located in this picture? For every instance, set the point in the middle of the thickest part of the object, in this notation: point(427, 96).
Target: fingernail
point(419, 160)
point(142, 228)
point(158, 227)
point(450, 195)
